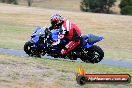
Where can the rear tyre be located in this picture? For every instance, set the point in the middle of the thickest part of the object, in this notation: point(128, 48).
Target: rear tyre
point(93, 54)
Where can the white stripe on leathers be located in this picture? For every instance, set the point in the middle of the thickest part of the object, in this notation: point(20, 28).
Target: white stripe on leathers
point(68, 25)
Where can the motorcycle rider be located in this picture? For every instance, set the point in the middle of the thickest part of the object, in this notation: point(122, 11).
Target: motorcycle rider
point(67, 30)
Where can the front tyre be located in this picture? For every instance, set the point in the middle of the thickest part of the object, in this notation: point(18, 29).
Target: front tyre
point(93, 54)
point(28, 48)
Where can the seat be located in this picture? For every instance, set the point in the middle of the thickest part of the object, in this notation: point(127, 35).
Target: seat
point(93, 39)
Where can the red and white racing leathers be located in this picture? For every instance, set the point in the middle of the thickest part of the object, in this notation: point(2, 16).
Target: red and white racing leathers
point(71, 32)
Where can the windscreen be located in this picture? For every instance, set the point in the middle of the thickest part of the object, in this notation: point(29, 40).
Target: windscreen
point(38, 31)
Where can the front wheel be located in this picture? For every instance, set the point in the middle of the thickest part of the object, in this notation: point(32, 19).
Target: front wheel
point(93, 54)
point(28, 48)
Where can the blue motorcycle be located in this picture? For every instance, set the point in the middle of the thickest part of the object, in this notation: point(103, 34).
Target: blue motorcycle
point(41, 44)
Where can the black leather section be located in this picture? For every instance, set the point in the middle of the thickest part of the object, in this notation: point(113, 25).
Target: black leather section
point(75, 37)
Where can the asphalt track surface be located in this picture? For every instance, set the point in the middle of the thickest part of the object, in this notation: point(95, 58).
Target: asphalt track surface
point(109, 62)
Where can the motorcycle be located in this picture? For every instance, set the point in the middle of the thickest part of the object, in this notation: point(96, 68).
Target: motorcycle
point(41, 44)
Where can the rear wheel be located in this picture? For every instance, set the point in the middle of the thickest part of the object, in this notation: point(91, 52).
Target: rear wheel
point(93, 54)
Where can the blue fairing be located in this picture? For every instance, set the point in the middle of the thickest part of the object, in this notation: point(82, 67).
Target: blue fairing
point(87, 46)
point(35, 36)
point(35, 39)
point(55, 35)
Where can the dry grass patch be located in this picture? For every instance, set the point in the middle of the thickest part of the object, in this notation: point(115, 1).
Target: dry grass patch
point(70, 5)
point(25, 72)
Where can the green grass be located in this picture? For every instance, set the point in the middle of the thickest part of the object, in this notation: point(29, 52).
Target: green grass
point(120, 55)
point(63, 72)
point(12, 36)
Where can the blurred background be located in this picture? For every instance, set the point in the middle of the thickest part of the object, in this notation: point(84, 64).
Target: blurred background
point(98, 6)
